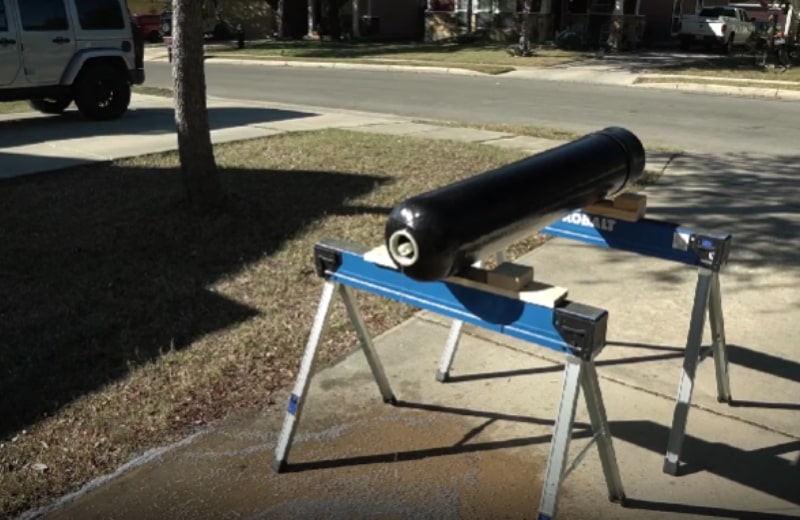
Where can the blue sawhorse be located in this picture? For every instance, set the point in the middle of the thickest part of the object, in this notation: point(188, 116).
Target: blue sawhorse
point(577, 330)
point(668, 241)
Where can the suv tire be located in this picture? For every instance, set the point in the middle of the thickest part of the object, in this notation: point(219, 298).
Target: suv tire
point(727, 47)
point(55, 105)
point(102, 93)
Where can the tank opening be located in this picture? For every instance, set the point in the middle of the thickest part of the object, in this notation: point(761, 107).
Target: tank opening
point(403, 248)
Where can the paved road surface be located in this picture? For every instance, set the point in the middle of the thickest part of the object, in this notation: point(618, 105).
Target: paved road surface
point(699, 122)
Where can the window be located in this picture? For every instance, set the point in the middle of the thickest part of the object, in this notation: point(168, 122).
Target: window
point(99, 15)
point(3, 20)
point(43, 15)
point(716, 12)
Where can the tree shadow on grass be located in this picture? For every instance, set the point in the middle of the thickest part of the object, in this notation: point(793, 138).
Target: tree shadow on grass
point(103, 270)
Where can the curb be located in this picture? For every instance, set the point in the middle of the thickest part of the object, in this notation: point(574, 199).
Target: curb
point(752, 92)
point(339, 65)
point(349, 66)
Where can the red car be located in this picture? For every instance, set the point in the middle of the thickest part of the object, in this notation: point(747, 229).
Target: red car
point(149, 27)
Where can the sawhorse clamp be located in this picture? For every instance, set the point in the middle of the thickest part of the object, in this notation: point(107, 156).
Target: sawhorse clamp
point(577, 330)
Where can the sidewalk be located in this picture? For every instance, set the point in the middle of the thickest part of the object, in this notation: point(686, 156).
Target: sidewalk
point(477, 447)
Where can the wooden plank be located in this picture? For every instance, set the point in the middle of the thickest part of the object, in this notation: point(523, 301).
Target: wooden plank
point(606, 208)
point(380, 256)
point(508, 281)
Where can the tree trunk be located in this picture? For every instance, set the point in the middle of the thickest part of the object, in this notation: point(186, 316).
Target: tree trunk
point(525, 30)
point(279, 19)
point(198, 166)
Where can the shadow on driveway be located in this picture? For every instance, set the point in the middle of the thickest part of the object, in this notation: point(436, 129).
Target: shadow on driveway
point(141, 121)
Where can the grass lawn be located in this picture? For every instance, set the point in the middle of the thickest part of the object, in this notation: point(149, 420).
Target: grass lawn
point(18, 107)
point(127, 323)
point(737, 67)
point(489, 58)
point(14, 107)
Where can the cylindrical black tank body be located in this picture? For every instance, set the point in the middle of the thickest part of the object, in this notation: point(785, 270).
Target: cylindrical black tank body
point(436, 234)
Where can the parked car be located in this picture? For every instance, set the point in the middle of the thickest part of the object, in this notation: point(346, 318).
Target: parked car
point(149, 27)
point(720, 26)
point(55, 52)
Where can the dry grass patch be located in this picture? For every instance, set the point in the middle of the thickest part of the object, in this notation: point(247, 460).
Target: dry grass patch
point(20, 107)
point(541, 132)
point(126, 323)
point(14, 107)
point(152, 91)
point(735, 67)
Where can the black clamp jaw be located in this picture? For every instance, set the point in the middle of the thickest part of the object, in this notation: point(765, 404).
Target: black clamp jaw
point(582, 327)
point(328, 257)
point(712, 250)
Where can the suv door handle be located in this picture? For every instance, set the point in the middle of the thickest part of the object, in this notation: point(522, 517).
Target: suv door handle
point(61, 40)
point(6, 41)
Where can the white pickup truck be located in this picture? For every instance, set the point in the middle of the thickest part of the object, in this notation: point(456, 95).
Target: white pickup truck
point(716, 26)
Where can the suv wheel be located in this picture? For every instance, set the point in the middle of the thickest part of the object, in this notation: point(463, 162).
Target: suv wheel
point(728, 46)
point(55, 105)
point(102, 93)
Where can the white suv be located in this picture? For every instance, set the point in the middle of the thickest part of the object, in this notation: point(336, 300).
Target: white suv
point(54, 52)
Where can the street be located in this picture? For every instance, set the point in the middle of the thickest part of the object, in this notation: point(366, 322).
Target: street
point(696, 122)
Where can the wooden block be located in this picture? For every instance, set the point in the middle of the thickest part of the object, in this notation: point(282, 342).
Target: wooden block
point(510, 276)
point(380, 256)
point(606, 208)
point(631, 201)
point(536, 293)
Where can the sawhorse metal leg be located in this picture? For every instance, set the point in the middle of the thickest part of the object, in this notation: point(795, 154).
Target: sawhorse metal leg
point(579, 374)
point(451, 345)
point(707, 298)
point(299, 394)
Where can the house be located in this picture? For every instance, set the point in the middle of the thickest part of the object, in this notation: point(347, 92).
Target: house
point(622, 24)
point(256, 16)
point(618, 22)
point(378, 19)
